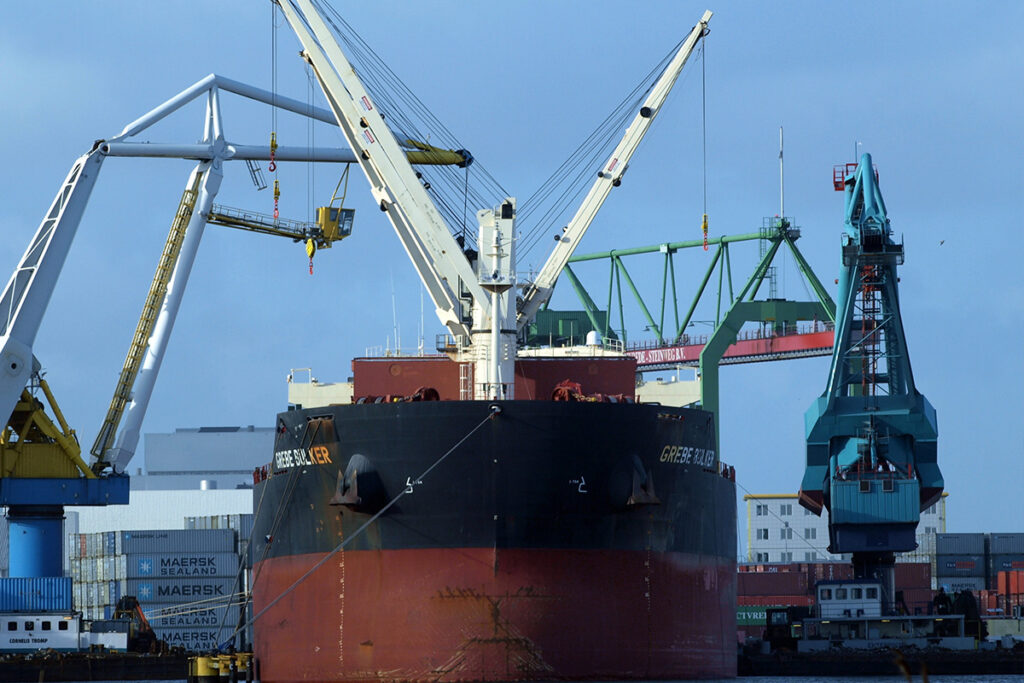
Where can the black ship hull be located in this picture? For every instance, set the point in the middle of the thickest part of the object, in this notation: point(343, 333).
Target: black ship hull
point(515, 540)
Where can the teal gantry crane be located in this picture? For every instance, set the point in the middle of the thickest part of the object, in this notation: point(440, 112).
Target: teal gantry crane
point(871, 437)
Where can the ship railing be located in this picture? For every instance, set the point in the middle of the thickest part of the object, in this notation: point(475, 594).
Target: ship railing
point(448, 343)
point(883, 471)
point(616, 345)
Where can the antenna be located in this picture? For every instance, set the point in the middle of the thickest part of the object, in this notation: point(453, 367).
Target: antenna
point(420, 347)
point(394, 317)
point(782, 185)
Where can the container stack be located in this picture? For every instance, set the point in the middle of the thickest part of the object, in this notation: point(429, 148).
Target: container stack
point(1006, 571)
point(1008, 598)
point(960, 562)
point(1006, 553)
point(242, 525)
point(184, 580)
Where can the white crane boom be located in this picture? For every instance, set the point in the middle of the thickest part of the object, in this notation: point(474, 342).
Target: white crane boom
point(610, 176)
point(443, 268)
point(28, 292)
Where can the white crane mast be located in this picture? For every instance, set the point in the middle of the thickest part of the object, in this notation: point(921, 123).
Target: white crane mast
point(608, 177)
point(399, 193)
point(438, 258)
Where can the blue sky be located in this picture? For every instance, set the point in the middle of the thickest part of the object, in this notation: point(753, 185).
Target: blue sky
point(932, 91)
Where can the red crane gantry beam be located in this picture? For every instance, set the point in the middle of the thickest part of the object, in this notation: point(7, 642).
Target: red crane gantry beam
point(749, 348)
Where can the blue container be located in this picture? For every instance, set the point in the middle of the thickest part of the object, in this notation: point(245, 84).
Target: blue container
point(36, 594)
point(960, 565)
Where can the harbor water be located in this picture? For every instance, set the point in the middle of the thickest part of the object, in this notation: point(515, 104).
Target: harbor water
point(816, 679)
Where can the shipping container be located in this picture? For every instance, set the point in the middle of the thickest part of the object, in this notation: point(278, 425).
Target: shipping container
point(116, 591)
point(245, 525)
point(1010, 582)
point(764, 583)
point(828, 571)
point(988, 603)
point(178, 540)
point(1006, 562)
point(168, 564)
point(36, 594)
point(194, 639)
point(752, 615)
point(913, 575)
point(961, 565)
point(76, 593)
point(1006, 544)
point(960, 544)
point(243, 553)
point(917, 600)
point(191, 618)
point(961, 583)
point(90, 594)
point(181, 590)
point(775, 600)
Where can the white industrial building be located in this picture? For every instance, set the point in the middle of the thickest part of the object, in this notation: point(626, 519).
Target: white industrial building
point(780, 530)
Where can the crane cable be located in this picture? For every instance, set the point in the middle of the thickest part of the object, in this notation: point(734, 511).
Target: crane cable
point(272, 166)
point(704, 133)
point(310, 166)
point(406, 115)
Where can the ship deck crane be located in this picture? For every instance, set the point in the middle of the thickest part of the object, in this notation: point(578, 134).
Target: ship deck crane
point(871, 436)
point(488, 331)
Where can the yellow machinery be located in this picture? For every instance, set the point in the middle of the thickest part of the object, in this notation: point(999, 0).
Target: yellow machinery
point(32, 446)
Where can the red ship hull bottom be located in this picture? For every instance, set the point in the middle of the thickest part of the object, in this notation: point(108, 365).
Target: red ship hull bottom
point(486, 615)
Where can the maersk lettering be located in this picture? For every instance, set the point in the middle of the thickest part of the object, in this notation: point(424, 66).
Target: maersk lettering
point(188, 566)
point(187, 591)
point(297, 457)
point(688, 455)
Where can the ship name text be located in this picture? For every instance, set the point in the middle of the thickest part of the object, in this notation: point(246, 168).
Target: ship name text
point(688, 455)
point(296, 457)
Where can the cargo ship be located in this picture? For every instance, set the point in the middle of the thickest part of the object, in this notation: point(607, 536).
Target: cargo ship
point(500, 511)
point(536, 539)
